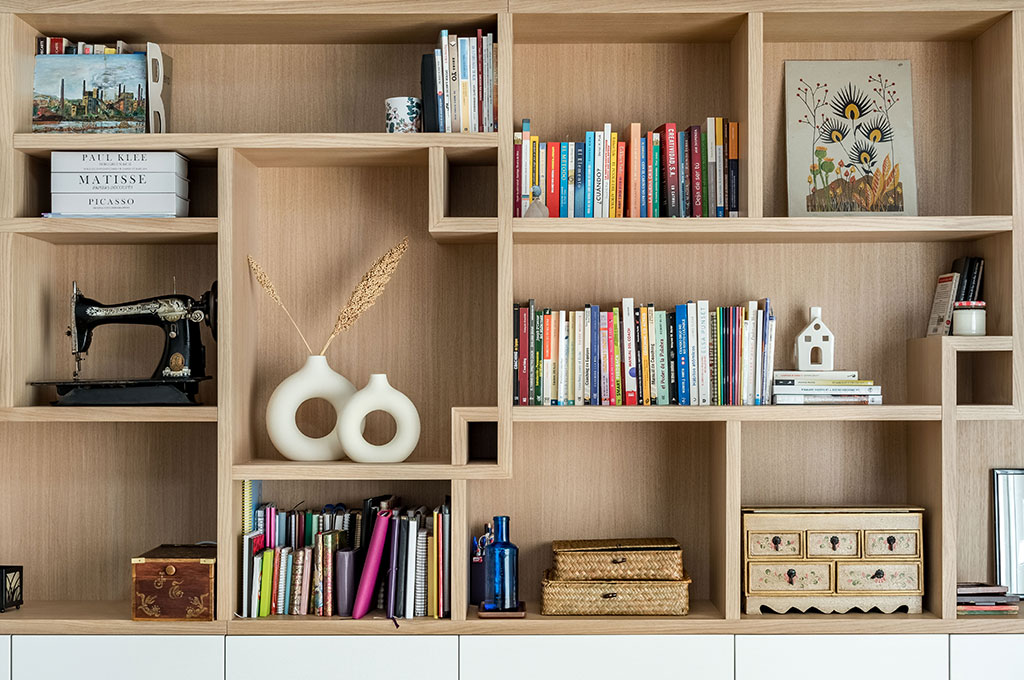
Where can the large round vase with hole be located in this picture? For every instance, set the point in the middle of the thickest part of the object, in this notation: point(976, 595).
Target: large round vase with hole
point(379, 395)
point(315, 380)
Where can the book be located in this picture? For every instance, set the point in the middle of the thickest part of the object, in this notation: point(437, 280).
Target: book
point(525, 183)
point(704, 353)
point(670, 171)
point(579, 178)
point(133, 204)
point(827, 389)
point(814, 399)
point(589, 178)
point(119, 161)
point(599, 175)
point(606, 138)
point(673, 382)
point(645, 357)
point(118, 183)
point(465, 71)
point(595, 355)
point(655, 175)
point(734, 169)
point(649, 170)
point(661, 345)
point(814, 375)
point(980, 588)
point(87, 94)
point(719, 169)
point(563, 359)
point(642, 171)
point(567, 207)
point(445, 79)
point(696, 174)
point(620, 182)
point(580, 399)
point(617, 395)
point(553, 176)
point(428, 94)
point(940, 318)
point(368, 577)
point(613, 172)
point(603, 321)
point(542, 172)
point(634, 170)
point(706, 177)
point(628, 353)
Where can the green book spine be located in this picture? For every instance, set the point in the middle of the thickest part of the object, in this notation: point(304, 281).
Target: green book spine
point(655, 192)
point(538, 353)
point(266, 582)
point(704, 173)
point(309, 528)
point(616, 331)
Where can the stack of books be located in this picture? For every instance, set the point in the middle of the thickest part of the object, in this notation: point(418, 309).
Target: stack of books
point(984, 599)
point(636, 355)
point(309, 562)
point(961, 284)
point(824, 387)
point(118, 184)
point(459, 84)
point(48, 45)
point(673, 171)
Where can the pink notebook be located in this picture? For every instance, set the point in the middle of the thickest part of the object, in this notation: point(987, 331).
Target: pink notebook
point(368, 578)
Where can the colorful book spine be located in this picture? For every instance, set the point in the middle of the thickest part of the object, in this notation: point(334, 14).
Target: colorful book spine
point(613, 173)
point(524, 185)
point(517, 171)
point(587, 354)
point(682, 356)
point(628, 354)
point(599, 174)
point(638, 356)
point(634, 171)
point(704, 348)
point(644, 374)
point(580, 177)
point(684, 174)
point(595, 355)
point(605, 396)
point(617, 395)
point(570, 318)
point(705, 189)
point(542, 172)
point(669, 178)
point(465, 85)
point(588, 191)
point(719, 166)
point(563, 359)
point(660, 326)
point(569, 188)
point(563, 180)
point(536, 163)
point(673, 383)
point(652, 353)
point(620, 185)
point(734, 169)
point(579, 400)
point(546, 374)
point(554, 182)
point(523, 357)
point(439, 89)
point(642, 172)
point(607, 158)
point(656, 174)
point(649, 171)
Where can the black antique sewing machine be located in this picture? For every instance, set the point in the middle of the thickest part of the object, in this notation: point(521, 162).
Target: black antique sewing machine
point(182, 367)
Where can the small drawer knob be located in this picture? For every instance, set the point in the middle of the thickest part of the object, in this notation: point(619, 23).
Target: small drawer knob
point(790, 575)
point(879, 574)
point(170, 570)
point(618, 560)
point(891, 541)
point(835, 543)
point(776, 542)
point(609, 596)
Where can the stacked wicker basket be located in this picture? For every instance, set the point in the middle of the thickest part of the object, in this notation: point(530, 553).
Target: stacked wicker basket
point(625, 577)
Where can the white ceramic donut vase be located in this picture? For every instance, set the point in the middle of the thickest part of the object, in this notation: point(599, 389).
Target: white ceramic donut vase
point(379, 395)
point(315, 380)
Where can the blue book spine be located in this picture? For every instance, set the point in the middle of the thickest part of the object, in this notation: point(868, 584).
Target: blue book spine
point(643, 177)
point(682, 356)
point(588, 189)
point(595, 354)
point(440, 89)
point(563, 176)
point(581, 162)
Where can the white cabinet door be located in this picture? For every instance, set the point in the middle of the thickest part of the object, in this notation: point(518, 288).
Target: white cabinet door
point(5, 657)
point(424, 657)
point(117, 657)
point(597, 657)
point(842, 657)
point(993, 657)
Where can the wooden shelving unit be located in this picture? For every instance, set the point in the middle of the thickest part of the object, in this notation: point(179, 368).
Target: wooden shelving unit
point(298, 175)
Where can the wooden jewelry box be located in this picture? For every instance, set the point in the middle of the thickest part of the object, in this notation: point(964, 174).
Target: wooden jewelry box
point(174, 583)
point(833, 559)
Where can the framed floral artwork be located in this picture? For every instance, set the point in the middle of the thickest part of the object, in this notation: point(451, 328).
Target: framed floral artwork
point(850, 138)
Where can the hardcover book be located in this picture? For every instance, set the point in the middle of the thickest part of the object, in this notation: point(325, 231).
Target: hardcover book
point(850, 138)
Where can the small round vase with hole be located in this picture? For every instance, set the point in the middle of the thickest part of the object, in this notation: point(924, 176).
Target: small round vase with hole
point(379, 395)
point(315, 380)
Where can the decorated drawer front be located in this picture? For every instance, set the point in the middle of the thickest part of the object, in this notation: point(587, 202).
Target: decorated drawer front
point(833, 543)
point(781, 544)
point(902, 543)
point(785, 577)
point(878, 576)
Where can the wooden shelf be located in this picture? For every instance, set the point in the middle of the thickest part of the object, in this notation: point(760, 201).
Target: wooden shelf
point(984, 412)
point(759, 230)
point(121, 230)
point(286, 469)
point(985, 343)
point(109, 414)
point(94, 617)
point(279, 149)
point(465, 230)
point(692, 414)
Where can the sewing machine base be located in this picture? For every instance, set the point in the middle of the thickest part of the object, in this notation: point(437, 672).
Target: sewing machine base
point(130, 392)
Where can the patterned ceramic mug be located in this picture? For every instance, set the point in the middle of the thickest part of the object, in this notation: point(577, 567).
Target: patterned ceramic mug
point(403, 114)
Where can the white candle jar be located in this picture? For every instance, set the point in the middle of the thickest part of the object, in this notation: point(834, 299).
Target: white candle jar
point(969, 318)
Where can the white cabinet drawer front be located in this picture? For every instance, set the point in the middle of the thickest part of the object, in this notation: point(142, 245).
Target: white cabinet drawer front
point(878, 577)
point(775, 544)
point(787, 577)
point(833, 543)
point(902, 543)
point(844, 657)
point(596, 657)
point(117, 657)
point(992, 657)
point(424, 657)
point(5, 657)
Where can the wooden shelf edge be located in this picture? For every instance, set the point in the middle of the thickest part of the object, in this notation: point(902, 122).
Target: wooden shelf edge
point(625, 414)
point(283, 469)
point(109, 414)
point(759, 229)
point(94, 617)
point(455, 230)
point(986, 412)
point(119, 230)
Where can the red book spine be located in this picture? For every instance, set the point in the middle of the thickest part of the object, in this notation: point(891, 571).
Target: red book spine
point(57, 45)
point(517, 175)
point(649, 198)
point(480, 79)
point(554, 179)
point(696, 203)
point(620, 177)
point(524, 356)
point(273, 584)
point(634, 169)
point(612, 366)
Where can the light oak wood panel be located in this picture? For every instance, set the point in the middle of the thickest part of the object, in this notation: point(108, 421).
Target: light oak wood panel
point(110, 414)
point(504, 211)
point(318, 230)
point(635, 27)
point(1016, 268)
point(987, 412)
point(460, 549)
point(288, 493)
point(95, 617)
point(984, 378)
point(604, 481)
point(725, 537)
point(894, 22)
point(745, 79)
point(992, 117)
point(566, 90)
point(932, 484)
point(113, 231)
point(259, 23)
point(473, 190)
point(840, 279)
point(941, 73)
point(762, 230)
point(34, 335)
point(824, 464)
point(465, 230)
point(912, 9)
point(7, 336)
point(117, 490)
point(283, 469)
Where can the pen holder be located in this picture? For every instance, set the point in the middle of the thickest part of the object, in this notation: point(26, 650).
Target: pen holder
point(476, 580)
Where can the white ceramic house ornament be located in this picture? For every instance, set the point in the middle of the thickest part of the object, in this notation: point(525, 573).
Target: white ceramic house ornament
point(815, 345)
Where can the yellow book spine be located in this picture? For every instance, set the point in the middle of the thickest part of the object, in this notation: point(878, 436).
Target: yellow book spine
point(612, 175)
point(431, 577)
point(645, 357)
point(534, 163)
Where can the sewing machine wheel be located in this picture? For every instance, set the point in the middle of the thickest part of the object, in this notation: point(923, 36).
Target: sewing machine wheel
point(209, 301)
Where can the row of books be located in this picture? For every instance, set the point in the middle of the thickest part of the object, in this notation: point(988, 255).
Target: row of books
point(667, 172)
point(118, 184)
point(459, 84)
point(961, 284)
point(48, 45)
point(985, 599)
point(637, 355)
point(806, 388)
point(338, 561)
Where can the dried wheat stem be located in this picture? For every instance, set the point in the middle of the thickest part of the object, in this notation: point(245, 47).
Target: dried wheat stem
point(369, 289)
point(264, 280)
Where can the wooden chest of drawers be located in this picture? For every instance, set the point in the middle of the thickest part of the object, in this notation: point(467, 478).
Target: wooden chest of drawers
point(833, 559)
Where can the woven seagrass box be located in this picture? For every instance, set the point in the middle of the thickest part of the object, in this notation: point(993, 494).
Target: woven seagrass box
point(622, 559)
point(614, 598)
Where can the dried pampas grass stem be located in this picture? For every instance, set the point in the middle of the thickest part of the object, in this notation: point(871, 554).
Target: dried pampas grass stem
point(369, 289)
point(264, 280)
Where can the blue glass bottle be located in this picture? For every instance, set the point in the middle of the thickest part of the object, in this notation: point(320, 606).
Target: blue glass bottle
point(501, 571)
